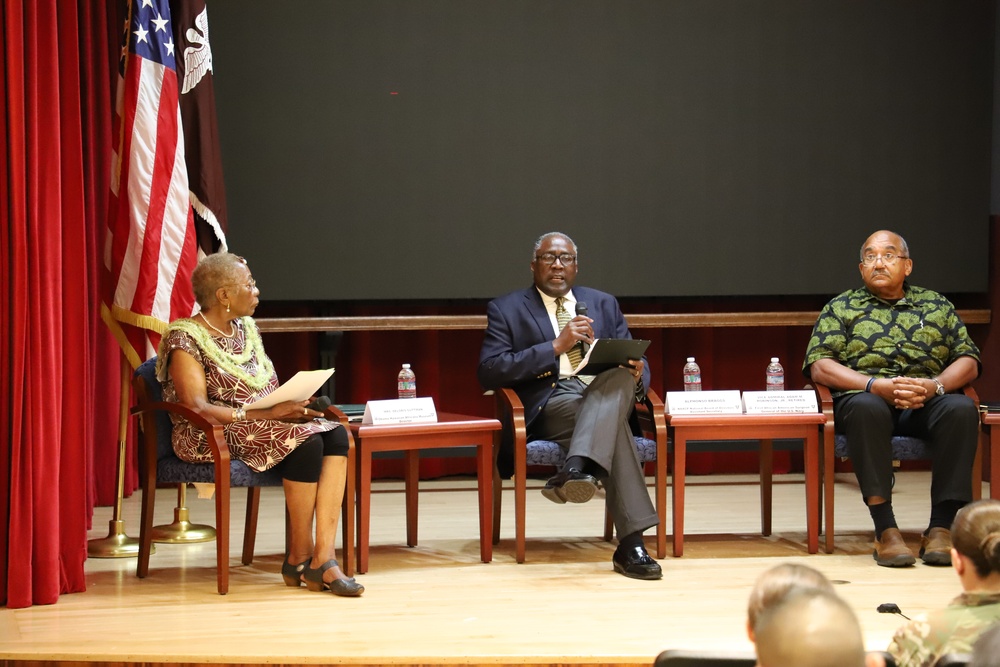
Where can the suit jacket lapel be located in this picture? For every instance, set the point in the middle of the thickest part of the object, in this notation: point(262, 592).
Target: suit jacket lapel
point(536, 311)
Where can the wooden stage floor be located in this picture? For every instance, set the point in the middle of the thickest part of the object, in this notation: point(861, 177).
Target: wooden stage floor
point(437, 604)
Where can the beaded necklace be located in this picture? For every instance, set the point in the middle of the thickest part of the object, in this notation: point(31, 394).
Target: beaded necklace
point(232, 364)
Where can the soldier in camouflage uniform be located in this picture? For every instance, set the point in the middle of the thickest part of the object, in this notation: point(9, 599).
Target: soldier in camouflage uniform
point(954, 629)
point(893, 354)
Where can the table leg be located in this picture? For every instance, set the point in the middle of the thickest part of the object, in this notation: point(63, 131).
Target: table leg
point(810, 454)
point(679, 459)
point(412, 458)
point(364, 506)
point(766, 476)
point(484, 470)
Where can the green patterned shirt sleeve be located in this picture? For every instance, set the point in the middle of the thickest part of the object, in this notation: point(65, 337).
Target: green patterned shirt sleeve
point(954, 629)
point(917, 336)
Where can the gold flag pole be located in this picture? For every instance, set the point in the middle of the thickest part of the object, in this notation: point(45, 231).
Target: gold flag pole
point(117, 544)
point(182, 531)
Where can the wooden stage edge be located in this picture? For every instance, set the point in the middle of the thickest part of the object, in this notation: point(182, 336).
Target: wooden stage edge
point(437, 603)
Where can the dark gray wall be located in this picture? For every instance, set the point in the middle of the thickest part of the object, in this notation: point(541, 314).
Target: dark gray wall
point(402, 149)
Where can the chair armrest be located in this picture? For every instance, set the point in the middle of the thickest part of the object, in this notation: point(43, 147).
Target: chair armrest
point(650, 413)
point(203, 421)
point(335, 414)
point(971, 393)
point(825, 399)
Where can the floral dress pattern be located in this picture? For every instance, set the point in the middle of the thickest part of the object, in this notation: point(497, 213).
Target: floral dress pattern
point(260, 443)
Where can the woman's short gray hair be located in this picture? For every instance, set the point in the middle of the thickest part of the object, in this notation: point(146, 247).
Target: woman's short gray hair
point(214, 271)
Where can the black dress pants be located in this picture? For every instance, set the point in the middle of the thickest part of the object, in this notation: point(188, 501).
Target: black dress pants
point(949, 424)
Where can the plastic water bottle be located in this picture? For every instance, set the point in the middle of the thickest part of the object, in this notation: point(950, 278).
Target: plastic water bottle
point(775, 376)
point(692, 375)
point(407, 383)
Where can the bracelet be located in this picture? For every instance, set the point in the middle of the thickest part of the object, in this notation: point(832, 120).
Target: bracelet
point(240, 414)
point(868, 387)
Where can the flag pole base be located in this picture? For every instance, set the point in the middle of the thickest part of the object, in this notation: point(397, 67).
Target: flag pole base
point(116, 545)
point(182, 531)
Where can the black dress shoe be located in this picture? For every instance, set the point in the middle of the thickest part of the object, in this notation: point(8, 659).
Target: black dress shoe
point(635, 562)
point(570, 485)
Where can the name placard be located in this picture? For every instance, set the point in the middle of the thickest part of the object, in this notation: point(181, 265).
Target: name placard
point(780, 402)
point(724, 402)
point(400, 411)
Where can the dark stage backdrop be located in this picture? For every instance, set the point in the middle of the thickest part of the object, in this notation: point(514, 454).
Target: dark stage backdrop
point(413, 149)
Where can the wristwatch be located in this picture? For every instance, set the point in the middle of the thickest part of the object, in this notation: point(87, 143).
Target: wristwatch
point(940, 387)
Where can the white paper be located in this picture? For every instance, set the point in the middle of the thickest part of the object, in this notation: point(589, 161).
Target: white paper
point(302, 385)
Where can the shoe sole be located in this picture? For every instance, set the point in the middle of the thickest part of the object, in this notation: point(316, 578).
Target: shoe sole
point(578, 490)
point(554, 495)
point(902, 560)
point(631, 575)
point(936, 558)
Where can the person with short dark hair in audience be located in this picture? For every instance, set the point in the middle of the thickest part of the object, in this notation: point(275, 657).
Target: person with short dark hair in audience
point(215, 362)
point(986, 650)
point(811, 628)
point(976, 560)
point(896, 358)
point(775, 583)
point(533, 343)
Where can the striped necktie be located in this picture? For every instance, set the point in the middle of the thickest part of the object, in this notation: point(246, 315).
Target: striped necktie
point(562, 319)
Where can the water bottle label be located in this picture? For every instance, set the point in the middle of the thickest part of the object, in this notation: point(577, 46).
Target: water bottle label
point(775, 381)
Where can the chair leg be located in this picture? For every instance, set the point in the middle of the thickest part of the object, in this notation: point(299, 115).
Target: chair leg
point(828, 469)
point(146, 529)
point(988, 445)
point(222, 536)
point(977, 469)
point(497, 502)
point(250, 526)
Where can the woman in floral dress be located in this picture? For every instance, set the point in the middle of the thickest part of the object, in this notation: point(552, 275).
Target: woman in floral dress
point(215, 362)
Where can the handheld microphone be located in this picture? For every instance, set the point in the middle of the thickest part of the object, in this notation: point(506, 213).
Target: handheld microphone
point(320, 404)
point(581, 309)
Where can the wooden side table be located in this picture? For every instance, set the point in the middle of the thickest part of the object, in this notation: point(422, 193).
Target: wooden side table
point(765, 428)
point(450, 430)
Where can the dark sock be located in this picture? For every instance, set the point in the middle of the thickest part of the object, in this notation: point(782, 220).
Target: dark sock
point(883, 517)
point(578, 462)
point(631, 540)
point(943, 514)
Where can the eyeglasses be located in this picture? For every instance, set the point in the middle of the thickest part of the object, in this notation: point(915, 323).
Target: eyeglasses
point(548, 259)
point(250, 285)
point(888, 258)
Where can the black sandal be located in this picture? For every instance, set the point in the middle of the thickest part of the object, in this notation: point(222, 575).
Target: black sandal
point(292, 574)
point(344, 587)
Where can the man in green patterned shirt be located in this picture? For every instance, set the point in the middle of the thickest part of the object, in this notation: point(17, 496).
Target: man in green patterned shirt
point(892, 355)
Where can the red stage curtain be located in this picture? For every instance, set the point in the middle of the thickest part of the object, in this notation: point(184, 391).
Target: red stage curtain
point(58, 374)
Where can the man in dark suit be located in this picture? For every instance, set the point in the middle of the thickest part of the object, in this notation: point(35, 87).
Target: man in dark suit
point(532, 344)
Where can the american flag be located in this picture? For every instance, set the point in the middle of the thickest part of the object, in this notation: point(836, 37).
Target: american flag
point(151, 247)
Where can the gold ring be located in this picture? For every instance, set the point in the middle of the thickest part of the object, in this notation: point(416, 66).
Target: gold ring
point(305, 411)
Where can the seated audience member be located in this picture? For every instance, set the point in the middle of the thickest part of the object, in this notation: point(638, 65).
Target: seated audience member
point(896, 357)
point(976, 560)
point(986, 650)
point(811, 628)
point(777, 582)
point(215, 362)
